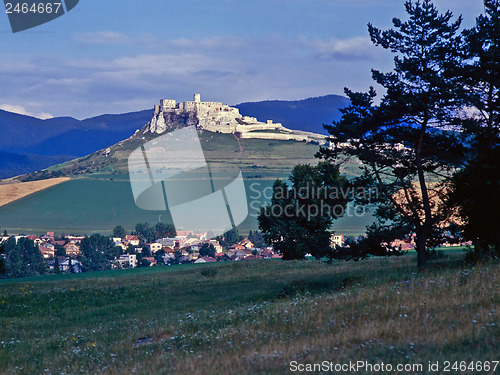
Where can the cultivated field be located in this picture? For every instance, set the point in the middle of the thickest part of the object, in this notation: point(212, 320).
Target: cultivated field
point(10, 192)
point(251, 317)
point(83, 206)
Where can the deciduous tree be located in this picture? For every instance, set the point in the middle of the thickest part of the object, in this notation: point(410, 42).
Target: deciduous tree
point(207, 250)
point(119, 232)
point(297, 220)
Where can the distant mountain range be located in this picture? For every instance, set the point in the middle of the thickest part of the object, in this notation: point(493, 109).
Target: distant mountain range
point(28, 144)
point(306, 115)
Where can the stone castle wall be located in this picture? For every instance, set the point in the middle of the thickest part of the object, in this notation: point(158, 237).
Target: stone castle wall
point(276, 136)
point(217, 117)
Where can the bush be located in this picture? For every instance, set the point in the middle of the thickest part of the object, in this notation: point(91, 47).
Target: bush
point(209, 272)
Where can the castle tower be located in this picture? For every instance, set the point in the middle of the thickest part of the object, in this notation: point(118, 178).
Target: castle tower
point(167, 104)
point(197, 98)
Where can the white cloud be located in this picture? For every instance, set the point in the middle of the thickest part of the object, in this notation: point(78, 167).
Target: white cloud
point(14, 108)
point(228, 69)
point(348, 49)
point(211, 42)
point(102, 37)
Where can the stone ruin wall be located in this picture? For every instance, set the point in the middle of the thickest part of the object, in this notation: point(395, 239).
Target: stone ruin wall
point(218, 117)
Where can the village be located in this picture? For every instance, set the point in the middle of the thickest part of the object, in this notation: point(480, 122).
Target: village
point(62, 253)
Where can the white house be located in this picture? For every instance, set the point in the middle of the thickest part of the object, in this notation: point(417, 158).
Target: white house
point(154, 247)
point(71, 263)
point(129, 260)
point(337, 240)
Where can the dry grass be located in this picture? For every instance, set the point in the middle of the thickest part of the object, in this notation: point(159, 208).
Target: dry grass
point(11, 192)
point(250, 318)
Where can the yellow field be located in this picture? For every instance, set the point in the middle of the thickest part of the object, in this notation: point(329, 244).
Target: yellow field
point(11, 192)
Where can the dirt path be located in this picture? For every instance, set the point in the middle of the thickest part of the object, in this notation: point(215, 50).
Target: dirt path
point(13, 191)
point(239, 144)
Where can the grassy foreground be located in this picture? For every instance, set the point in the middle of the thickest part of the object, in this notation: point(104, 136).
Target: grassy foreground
point(250, 317)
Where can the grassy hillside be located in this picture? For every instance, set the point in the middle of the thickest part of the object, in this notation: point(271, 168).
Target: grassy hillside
point(250, 317)
point(259, 158)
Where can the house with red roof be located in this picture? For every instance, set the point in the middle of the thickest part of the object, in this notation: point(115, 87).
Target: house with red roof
point(132, 240)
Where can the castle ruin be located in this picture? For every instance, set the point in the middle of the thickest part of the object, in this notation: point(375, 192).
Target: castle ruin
point(219, 117)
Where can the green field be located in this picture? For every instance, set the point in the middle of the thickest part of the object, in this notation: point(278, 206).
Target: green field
point(76, 206)
point(250, 317)
point(83, 206)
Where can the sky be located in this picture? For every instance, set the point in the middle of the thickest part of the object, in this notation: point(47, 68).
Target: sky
point(116, 56)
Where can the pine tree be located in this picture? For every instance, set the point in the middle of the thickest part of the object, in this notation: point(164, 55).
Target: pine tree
point(475, 187)
point(406, 141)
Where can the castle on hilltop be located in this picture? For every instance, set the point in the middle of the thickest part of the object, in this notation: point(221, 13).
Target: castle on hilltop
point(218, 117)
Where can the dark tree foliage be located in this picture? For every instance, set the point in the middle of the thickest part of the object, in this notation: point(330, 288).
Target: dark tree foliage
point(480, 78)
point(207, 250)
point(476, 195)
point(164, 230)
point(57, 267)
point(119, 232)
point(60, 251)
point(257, 239)
point(97, 251)
point(298, 218)
point(148, 233)
point(131, 249)
point(159, 257)
point(145, 232)
point(475, 188)
point(23, 258)
point(145, 252)
point(3, 266)
point(407, 140)
point(230, 237)
point(3, 263)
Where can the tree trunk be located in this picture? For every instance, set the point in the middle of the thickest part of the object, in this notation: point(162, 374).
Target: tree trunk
point(497, 245)
point(424, 229)
point(420, 240)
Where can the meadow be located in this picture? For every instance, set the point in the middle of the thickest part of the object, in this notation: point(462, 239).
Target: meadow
point(251, 317)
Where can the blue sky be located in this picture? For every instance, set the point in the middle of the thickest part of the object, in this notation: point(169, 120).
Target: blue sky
point(115, 56)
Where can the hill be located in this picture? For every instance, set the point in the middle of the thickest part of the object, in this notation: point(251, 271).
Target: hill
point(12, 164)
point(29, 144)
point(251, 317)
point(306, 115)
